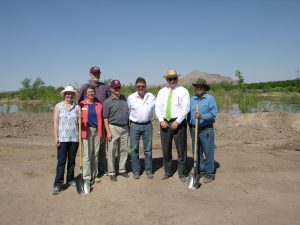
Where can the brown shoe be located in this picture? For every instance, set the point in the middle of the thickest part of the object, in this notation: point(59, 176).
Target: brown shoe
point(124, 174)
point(113, 177)
point(208, 179)
point(182, 178)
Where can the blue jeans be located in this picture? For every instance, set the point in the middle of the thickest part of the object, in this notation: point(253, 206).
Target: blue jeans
point(67, 150)
point(206, 145)
point(136, 132)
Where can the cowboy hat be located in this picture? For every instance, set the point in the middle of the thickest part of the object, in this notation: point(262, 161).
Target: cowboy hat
point(171, 73)
point(202, 82)
point(68, 89)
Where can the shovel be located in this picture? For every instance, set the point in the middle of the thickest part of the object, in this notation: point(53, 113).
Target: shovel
point(83, 187)
point(194, 178)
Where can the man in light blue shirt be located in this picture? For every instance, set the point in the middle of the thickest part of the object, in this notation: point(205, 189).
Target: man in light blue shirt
point(207, 112)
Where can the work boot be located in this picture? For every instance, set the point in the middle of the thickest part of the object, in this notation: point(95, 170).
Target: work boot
point(113, 178)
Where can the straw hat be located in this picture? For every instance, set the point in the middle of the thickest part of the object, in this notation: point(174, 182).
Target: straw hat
point(202, 82)
point(171, 73)
point(69, 89)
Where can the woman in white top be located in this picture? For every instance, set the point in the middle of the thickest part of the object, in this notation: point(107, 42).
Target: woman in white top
point(66, 115)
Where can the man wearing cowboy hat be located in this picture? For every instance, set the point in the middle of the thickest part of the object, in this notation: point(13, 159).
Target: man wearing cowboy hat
point(171, 108)
point(207, 112)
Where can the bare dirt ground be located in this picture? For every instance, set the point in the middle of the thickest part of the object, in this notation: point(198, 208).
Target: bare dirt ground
point(258, 181)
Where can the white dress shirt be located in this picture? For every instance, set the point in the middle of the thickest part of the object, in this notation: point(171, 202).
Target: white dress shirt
point(180, 105)
point(141, 109)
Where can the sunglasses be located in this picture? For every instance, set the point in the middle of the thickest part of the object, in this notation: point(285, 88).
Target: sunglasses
point(69, 93)
point(140, 86)
point(117, 88)
point(172, 79)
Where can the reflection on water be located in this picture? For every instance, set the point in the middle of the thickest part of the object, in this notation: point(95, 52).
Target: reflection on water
point(25, 107)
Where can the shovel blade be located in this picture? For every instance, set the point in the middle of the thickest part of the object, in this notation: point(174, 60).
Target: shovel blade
point(81, 186)
point(193, 180)
point(87, 187)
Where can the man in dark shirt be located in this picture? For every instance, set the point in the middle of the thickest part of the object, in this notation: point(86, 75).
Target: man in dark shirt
point(102, 93)
point(116, 118)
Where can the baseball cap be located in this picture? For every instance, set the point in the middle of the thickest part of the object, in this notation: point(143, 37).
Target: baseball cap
point(95, 70)
point(115, 83)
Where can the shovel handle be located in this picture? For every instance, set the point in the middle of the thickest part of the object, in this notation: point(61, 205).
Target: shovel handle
point(80, 141)
point(196, 139)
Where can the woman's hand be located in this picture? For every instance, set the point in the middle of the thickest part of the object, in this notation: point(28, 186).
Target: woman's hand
point(57, 142)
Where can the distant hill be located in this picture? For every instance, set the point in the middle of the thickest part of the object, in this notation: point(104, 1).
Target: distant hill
point(210, 78)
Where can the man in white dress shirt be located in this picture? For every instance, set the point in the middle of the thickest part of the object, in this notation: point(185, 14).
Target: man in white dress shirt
point(171, 108)
point(141, 106)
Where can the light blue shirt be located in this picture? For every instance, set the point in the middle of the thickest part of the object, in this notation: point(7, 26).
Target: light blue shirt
point(207, 107)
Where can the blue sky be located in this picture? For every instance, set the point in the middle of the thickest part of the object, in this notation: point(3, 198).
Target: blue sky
point(59, 41)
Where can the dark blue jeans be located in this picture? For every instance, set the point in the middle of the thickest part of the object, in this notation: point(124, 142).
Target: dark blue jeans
point(136, 132)
point(67, 150)
point(206, 147)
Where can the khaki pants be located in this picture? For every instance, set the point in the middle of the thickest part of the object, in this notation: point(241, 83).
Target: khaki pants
point(118, 145)
point(90, 154)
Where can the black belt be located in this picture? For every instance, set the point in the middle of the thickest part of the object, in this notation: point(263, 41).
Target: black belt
point(145, 123)
point(119, 125)
point(94, 126)
point(171, 120)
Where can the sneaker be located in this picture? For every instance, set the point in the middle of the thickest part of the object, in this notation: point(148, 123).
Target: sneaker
point(182, 178)
point(150, 175)
point(208, 179)
point(113, 177)
point(136, 176)
point(72, 183)
point(124, 174)
point(56, 190)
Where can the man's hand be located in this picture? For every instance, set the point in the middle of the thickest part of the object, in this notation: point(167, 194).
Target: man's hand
point(174, 125)
point(163, 124)
point(198, 115)
point(108, 136)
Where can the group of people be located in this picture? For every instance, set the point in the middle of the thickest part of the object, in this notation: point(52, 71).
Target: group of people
point(109, 120)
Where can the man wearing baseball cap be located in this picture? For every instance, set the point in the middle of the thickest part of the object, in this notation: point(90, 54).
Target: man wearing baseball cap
point(102, 93)
point(116, 119)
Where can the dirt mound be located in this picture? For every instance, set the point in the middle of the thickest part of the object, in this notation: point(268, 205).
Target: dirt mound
point(248, 128)
point(258, 126)
point(26, 124)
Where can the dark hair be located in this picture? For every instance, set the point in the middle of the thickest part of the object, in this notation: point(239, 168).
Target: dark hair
point(140, 79)
point(90, 86)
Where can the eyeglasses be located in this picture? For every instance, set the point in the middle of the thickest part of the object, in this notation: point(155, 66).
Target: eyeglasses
point(140, 86)
point(117, 88)
point(172, 79)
